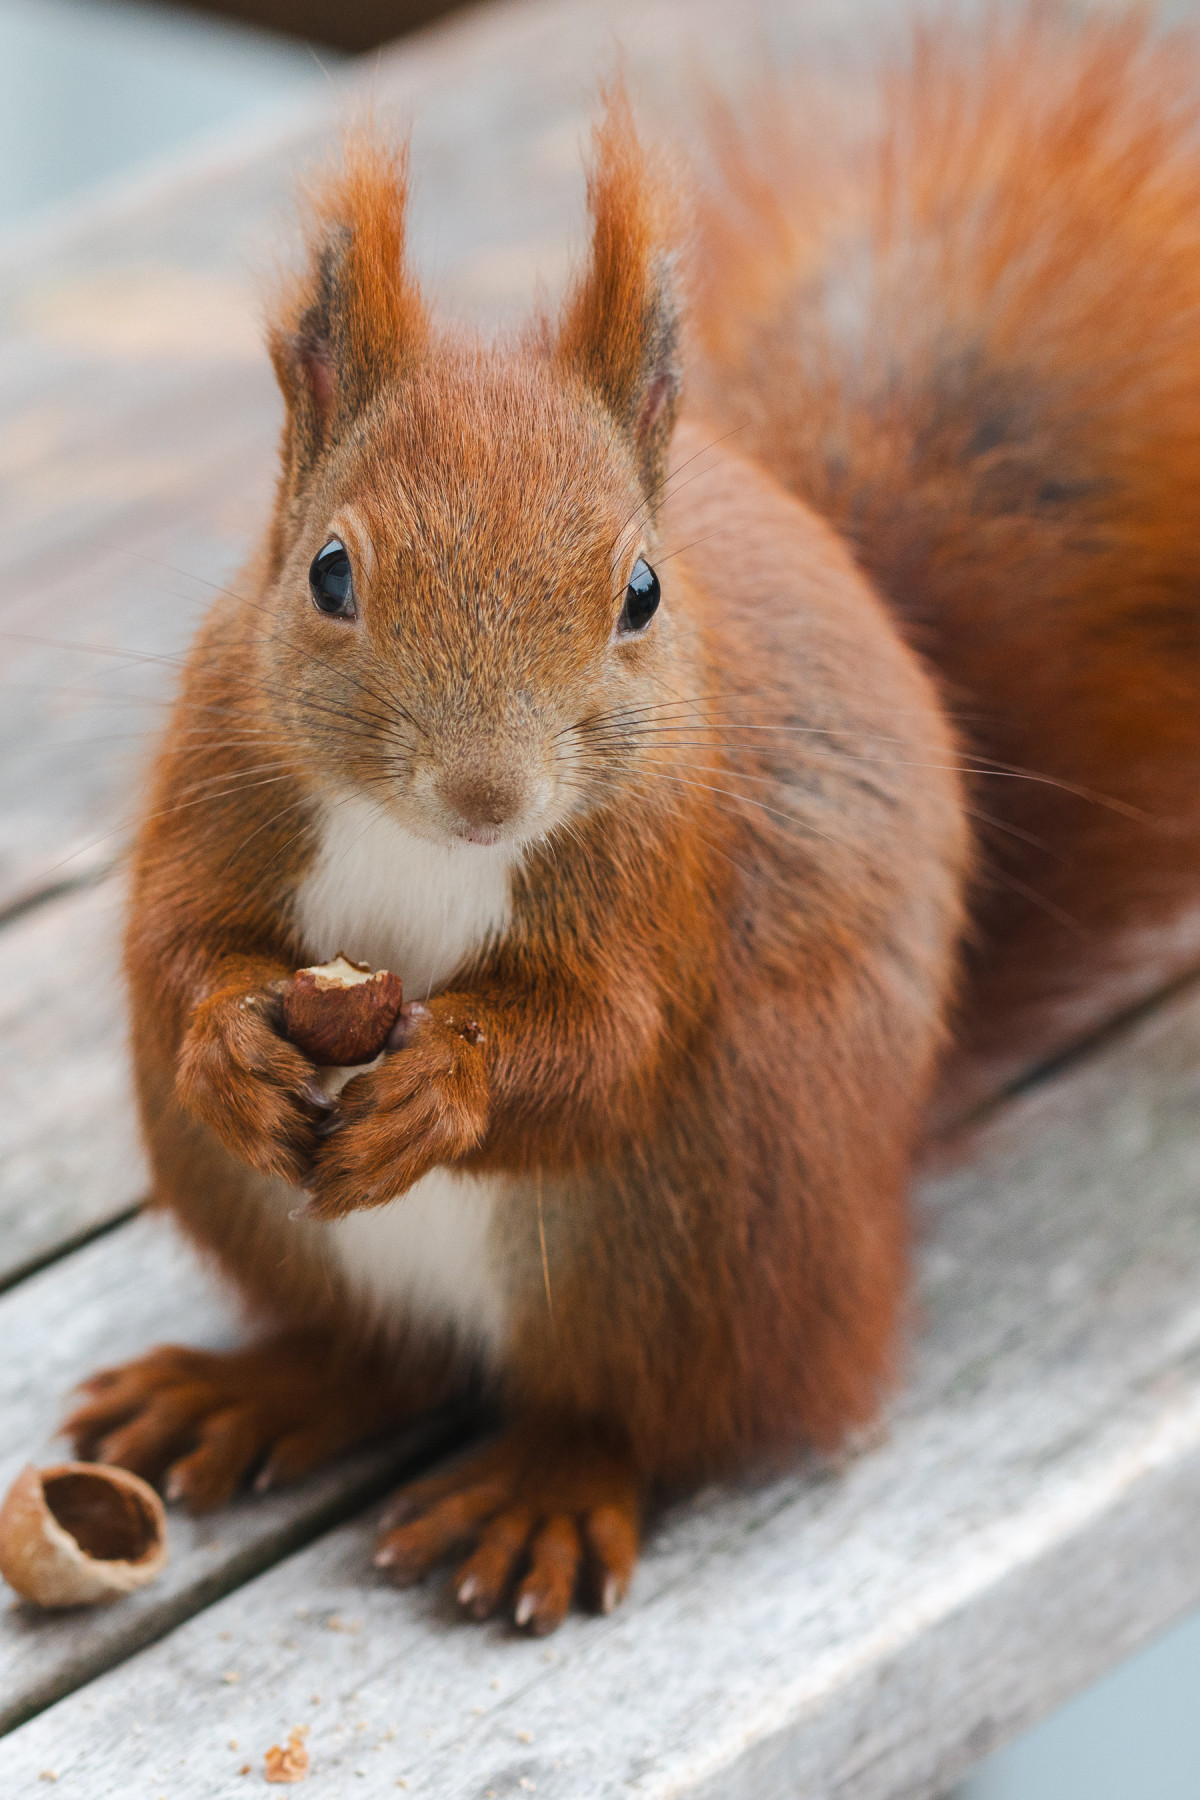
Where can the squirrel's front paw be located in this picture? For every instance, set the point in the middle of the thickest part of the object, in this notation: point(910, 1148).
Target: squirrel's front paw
point(426, 1103)
point(254, 1090)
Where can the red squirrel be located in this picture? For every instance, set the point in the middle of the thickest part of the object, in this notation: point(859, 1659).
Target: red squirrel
point(735, 783)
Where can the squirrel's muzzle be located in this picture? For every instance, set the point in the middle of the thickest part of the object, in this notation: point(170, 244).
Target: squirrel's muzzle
point(484, 799)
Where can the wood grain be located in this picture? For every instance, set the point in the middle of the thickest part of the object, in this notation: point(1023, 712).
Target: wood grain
point(1030, 1518)
point(70, 1161)
point(136, 1287)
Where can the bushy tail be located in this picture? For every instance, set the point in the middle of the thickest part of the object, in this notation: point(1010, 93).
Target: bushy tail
point(968, 332)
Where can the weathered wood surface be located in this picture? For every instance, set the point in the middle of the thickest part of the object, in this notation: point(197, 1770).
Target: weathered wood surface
point(89, 636)
point(139, 1286)
point(69, 1155)
point(1031, 1516)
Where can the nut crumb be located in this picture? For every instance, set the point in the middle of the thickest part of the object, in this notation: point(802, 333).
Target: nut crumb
point(231, 1677)
point(526, 1783)
point(233, 1743)
point(290, 1762)
point(495, 1683)
point(48, 1775)
point(524, 1737)
point(245, 1769)
point(225, 1636)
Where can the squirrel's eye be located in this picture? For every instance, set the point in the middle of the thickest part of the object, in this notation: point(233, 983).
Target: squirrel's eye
point(332, 583)
point(641, 598)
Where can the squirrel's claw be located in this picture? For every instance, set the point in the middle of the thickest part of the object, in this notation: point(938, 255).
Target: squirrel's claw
point(566, 1513)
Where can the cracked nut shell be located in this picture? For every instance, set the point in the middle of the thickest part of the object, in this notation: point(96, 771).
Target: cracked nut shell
point(80, 1533)
point(340, 1013)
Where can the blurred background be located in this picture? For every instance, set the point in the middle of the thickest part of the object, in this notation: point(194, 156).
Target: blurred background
point(99, 93)
point(94, 91)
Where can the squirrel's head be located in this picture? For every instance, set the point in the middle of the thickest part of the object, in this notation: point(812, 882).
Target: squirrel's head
point(465, 610)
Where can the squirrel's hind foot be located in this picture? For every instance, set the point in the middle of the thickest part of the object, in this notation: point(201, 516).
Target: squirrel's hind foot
point(201, 1421)
point(549, 1515)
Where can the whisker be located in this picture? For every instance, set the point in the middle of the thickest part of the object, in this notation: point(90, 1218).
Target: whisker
point(747, 800)
point(975, 765)
point(1007, 879)
point(387, 701)
point(282, 813)
point(662, 488)
point(684, 548)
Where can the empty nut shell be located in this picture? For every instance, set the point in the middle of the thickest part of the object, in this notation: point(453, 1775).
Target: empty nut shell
point(340, 1013)
point(80, 1533)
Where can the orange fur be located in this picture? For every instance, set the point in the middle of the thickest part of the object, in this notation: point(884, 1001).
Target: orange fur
point(697, 1054)
point(984, 366)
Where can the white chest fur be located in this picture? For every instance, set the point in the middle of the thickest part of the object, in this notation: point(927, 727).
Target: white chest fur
point(395, 901)
point(399, 902)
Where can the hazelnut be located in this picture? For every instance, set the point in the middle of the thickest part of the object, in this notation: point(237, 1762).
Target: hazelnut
point(340, 1012)
point(80, 1533)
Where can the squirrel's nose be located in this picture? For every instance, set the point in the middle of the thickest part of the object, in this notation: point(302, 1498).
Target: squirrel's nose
point(483, 797)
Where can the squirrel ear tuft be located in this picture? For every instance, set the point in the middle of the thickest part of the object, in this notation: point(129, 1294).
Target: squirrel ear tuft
point(348, 322)
point(620, 327)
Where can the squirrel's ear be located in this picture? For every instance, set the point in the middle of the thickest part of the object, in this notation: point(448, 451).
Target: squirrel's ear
point(347, 323)
point(620, 327)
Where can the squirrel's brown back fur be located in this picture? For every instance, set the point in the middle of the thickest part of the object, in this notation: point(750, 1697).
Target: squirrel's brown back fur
point(969, 335)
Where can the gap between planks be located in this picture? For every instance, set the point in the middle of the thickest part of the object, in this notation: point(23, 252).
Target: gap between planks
point(70, 1160)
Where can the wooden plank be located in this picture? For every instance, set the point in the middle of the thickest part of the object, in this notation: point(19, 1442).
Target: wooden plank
point(70, 1161)
point(89, 671)
point(1029, 1519)
point(141, 1285)
point(137, 413)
